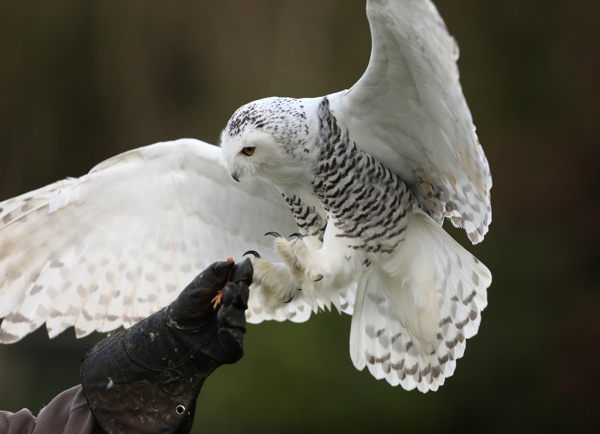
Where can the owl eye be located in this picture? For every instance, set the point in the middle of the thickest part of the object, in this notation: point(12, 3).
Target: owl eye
point(249, 150)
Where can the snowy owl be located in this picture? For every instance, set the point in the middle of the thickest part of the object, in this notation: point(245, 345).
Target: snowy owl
point(351, 189)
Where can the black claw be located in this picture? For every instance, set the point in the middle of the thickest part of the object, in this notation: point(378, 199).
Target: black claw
point(297, 235)
point(319, 278)
point(252, 252)
point(292, 296)
point(275, 234)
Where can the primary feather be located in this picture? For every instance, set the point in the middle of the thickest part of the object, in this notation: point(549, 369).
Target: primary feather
point(116, 245)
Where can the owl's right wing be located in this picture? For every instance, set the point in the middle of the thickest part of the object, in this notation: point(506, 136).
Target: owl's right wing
point(408, 111)
point(119, 243)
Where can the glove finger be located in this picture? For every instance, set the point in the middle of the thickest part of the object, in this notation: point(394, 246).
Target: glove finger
point(236, 295)
point(231, 342)
point(242, 272)
point(232, 327)
point(215, 276)
point(194, 302)
point(231, 317)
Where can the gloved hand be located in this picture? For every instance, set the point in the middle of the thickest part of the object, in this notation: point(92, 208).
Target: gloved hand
point(147, 378)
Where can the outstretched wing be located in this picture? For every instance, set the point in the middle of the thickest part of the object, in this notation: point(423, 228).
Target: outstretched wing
point(119, 243)
point(409, 112)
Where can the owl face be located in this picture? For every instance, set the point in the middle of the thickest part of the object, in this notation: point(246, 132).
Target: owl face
point(250, 153)
point(268, 138)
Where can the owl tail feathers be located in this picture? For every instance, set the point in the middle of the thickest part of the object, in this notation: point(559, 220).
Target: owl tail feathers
point(413, 314)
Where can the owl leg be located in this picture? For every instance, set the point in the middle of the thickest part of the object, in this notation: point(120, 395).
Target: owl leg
point(300, 259)
point(275, 281)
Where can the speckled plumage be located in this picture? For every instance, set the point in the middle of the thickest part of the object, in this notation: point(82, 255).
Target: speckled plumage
point(369, 202)
point(417, 294)
point(364, 177)
point(280, 117)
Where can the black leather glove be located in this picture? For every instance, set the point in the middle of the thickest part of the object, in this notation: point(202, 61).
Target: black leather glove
point(147, 378)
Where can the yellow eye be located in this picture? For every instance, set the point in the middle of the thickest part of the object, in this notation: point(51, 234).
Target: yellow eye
point(249, 150)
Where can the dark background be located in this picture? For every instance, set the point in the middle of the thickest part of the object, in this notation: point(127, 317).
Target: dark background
point(81, 81)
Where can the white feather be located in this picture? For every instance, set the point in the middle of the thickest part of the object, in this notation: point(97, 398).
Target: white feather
point(117, 244)
point(414, 313)
point(408, 111)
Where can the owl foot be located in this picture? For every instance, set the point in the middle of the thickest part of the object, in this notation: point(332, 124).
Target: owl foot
point(276, 283)
point(299, 258)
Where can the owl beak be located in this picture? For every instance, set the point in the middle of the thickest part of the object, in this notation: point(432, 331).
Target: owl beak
point(236, 176)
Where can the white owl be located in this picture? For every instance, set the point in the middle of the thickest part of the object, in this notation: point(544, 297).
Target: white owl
point(362, 179)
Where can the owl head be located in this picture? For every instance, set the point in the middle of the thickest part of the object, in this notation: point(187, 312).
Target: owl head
point(270, 138)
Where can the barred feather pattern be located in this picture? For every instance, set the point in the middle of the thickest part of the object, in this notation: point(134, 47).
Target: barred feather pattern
point(409, 326)
point(386, 337)
point(368, 200)
point(309, 221)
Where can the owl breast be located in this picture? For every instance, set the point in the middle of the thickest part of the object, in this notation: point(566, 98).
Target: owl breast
point(368, 203)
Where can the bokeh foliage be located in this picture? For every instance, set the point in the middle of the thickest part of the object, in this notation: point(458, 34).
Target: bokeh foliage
point(82, 81)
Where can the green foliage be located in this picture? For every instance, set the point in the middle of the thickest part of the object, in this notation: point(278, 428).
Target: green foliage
point(82, 81)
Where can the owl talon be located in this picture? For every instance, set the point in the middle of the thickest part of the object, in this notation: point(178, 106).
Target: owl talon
point(275, 234)
point(296, 235)
point(319, 278)
point(292, 296)
point(252, 252)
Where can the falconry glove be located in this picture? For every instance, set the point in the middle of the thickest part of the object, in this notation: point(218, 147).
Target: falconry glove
point(147, 378)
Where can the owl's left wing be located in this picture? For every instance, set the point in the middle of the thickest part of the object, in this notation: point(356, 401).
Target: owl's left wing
point(409, 112)
point(119, 243)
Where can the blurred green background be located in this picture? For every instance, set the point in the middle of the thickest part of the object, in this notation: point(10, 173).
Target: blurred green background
point(81, 81)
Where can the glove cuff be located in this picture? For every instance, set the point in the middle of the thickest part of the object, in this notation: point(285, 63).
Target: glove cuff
point(143, 379)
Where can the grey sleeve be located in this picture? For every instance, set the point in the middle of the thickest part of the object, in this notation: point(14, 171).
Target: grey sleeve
point(68, 413)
